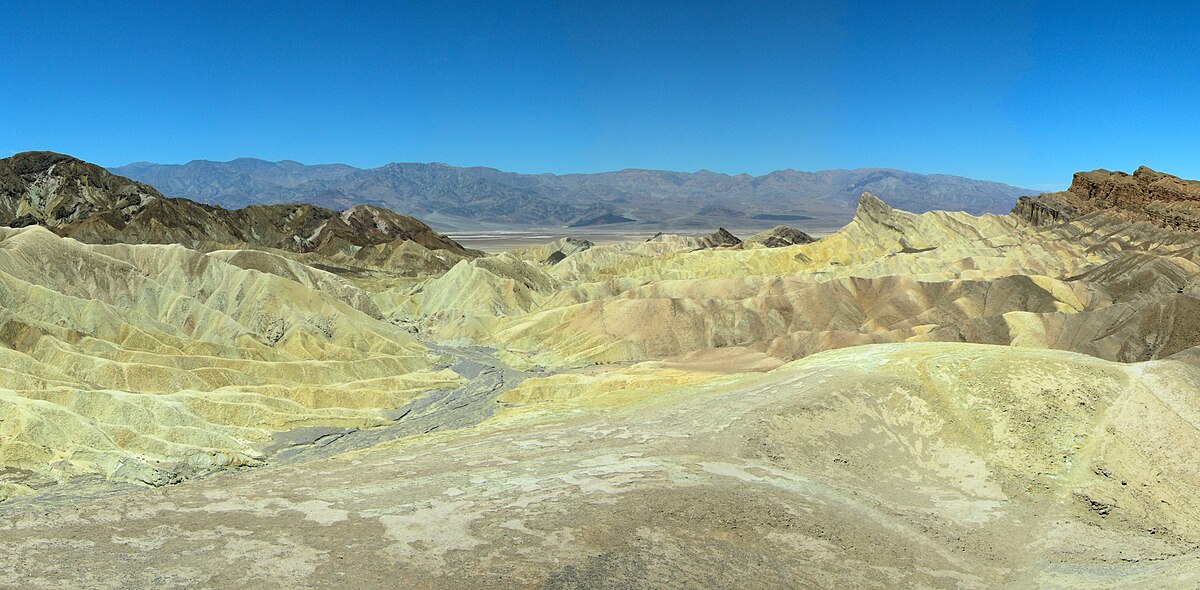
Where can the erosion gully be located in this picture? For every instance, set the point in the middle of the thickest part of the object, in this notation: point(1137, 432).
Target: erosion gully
point(487, 377)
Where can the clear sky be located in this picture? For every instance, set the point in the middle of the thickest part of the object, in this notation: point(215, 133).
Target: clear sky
point(1021, 92)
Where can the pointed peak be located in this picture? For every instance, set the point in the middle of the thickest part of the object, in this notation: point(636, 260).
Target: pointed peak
point(1148, 173)
point(721, 237)
point(868, 203)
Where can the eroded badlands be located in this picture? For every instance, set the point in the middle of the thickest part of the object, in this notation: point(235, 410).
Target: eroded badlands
point(933, 400)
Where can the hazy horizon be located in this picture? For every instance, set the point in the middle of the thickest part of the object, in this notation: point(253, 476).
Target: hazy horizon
point(1060, 185)
point(1021, 93)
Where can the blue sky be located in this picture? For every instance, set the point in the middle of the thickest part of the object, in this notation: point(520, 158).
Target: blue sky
point(1021, 92)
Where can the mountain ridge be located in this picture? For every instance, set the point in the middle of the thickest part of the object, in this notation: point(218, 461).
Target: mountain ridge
point(486, 194)
point(81, 200)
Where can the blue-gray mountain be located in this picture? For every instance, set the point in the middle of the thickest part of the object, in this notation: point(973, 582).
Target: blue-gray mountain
point(452, 195)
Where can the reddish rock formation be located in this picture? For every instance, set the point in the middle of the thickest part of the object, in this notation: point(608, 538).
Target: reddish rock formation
point(1146, 195)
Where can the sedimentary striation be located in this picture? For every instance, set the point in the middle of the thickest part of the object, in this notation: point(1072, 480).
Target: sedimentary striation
point(1104, 287)
point(1164, 200)
point(151, 362)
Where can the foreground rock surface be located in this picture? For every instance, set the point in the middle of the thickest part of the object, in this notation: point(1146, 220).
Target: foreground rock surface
point(913, 465)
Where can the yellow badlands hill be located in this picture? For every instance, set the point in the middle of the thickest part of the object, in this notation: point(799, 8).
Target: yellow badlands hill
point(1112, 290)
point(125, 360)
point(934, 400)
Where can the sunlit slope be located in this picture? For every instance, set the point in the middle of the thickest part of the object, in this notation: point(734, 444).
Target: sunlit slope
point(935, 465)
point(277, 263)
point(126, 360)
point(956, 465)
point(1112, 289)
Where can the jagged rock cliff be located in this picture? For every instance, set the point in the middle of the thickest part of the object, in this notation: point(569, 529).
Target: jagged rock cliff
point(1146, 195)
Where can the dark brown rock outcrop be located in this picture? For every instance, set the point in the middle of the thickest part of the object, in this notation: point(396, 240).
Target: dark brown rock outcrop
point(1146, 195)
point(781, 236)
point(57, 190)
point(566, 247)
point(719, 238)
point(80, 200)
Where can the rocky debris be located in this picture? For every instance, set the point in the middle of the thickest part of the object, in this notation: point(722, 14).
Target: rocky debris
point(1146, 195)
point(83, 201)
point(781, 236)
point(485, 378)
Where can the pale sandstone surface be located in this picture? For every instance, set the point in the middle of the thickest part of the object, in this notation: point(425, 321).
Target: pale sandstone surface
point(916, 465)
point(147, 362)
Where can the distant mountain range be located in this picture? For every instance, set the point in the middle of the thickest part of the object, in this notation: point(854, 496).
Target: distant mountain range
point(451, 196)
